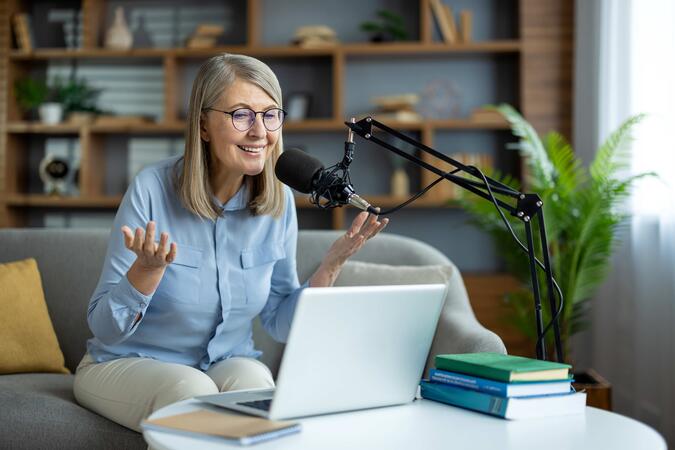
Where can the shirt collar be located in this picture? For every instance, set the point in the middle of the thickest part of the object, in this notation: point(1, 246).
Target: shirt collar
point(237, 202)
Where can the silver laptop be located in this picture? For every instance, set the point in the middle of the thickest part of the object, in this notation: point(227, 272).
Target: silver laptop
point(349, 348)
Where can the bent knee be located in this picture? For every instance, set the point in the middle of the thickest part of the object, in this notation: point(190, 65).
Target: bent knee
point(183, 385)
point(241, 373)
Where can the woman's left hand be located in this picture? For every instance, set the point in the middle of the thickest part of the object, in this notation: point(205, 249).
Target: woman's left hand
point(364, 227)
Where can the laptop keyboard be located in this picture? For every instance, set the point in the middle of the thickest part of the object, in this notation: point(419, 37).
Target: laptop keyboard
point(263, 405)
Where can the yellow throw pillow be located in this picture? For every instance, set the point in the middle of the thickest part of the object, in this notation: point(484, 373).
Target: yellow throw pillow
point(28, 342)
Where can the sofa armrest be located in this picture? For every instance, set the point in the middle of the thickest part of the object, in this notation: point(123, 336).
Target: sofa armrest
point(456, 334)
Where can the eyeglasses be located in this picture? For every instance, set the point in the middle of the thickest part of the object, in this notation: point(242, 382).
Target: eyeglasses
point(244, 118)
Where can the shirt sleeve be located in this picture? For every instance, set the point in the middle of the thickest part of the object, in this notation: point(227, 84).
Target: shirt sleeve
point(115, 303)
point(277, 315)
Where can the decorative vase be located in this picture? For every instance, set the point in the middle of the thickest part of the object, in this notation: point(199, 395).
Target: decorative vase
point(51, 113)
point(400, 183)
point(118, 35)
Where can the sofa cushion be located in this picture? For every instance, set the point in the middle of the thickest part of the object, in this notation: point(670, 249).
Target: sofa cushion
point(39, 411)
point(456, 310)
point(359, 273)
point(29, 343)
point(70, 264)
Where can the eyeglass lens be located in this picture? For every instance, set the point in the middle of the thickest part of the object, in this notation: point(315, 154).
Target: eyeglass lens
point(244, 118)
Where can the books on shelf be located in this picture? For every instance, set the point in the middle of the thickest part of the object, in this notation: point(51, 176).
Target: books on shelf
point(445, 20)
point(507, 368)
point(397, 116)
point(450, 31)
point(222, 426)
point(396, 108)
point(22, 32)
point(506, 407)
point(466, 25)
point(205, 36)
point(498, 388)
point(487, 115)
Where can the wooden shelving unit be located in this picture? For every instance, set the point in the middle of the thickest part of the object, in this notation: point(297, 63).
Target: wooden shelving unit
point(535, 48)
point(542, 52)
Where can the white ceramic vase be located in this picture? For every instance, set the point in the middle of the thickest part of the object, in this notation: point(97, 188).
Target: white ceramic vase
point(51, 113)
point(119, 36)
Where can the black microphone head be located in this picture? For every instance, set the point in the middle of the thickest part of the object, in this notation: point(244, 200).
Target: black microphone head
point(298, 170)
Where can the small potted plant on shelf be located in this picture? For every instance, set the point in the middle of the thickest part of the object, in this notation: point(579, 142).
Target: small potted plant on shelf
point(30, 94)
point(582, 211)
point(388, 27)
point(79, 101)
point(36, 95)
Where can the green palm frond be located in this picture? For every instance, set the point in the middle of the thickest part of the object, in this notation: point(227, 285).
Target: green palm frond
point(530, 145)
point(610, 158)
point(583, 213)
point(568, 169)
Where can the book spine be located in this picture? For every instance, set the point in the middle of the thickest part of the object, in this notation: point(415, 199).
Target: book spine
point(465, 398)
point(469, 382)
point(473, 369)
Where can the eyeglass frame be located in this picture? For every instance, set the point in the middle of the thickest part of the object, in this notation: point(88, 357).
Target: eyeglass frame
point(231, 114)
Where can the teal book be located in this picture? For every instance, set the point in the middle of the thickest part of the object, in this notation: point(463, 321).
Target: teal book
point(506, 368)
point(499, 388)
point(506, 407)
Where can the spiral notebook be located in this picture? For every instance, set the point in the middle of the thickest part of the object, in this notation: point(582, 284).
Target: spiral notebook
point(233, 428)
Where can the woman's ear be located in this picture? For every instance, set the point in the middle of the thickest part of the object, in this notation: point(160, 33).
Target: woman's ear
point(203, 130)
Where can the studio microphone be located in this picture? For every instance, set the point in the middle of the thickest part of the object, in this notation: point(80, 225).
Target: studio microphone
point(306, 174)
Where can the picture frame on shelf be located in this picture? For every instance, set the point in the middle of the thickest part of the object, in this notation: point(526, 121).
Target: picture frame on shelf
point(297, 106)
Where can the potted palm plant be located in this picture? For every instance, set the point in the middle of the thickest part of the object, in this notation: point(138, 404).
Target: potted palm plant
point(583, 214)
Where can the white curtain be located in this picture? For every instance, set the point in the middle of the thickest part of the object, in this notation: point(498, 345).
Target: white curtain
point(632, 339)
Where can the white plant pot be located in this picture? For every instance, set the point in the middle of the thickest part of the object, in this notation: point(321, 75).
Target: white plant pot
point(51, 113)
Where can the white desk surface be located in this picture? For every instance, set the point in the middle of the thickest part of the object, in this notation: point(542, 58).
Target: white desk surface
point(429, 425)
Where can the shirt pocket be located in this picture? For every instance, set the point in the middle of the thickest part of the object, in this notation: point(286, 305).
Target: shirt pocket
point(257, 264)
point(182, 280)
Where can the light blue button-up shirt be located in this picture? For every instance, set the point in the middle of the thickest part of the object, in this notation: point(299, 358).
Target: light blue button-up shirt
point(225, 273)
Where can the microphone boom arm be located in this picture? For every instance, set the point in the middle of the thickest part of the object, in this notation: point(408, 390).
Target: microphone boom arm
point(527, 207)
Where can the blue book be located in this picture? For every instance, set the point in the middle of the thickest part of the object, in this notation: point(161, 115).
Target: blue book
point(498, 388)
point(505, 407)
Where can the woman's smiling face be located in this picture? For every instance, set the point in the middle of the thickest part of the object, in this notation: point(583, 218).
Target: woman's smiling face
point(238, 153)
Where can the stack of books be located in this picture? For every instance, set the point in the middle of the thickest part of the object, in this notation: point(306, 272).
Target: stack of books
point(511, 387)
point(396, 108)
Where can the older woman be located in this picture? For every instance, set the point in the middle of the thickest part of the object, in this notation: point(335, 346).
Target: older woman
point(207, 243)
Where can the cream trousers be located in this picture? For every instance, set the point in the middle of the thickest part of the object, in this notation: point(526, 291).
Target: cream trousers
point(128, 390)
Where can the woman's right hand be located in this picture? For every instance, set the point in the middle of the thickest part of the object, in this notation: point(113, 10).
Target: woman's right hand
point(152, 258)
point(149, 254)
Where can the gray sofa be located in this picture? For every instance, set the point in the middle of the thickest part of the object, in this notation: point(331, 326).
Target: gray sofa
point(38, 410)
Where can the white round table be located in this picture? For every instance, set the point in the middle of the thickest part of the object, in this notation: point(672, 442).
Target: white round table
point(429, 425)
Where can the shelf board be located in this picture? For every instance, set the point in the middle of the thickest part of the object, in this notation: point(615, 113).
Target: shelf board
point(111, 202)
point(50, 201)
point(67, 128)
point(309, 125)
point(449, 124)
point(40, 128)
point(388, 201)
point(63, 53)
point(412, 48)
point(280, 51)
point(393, 48)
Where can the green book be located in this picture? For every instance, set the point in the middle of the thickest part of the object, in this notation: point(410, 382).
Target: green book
point(508, 368)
